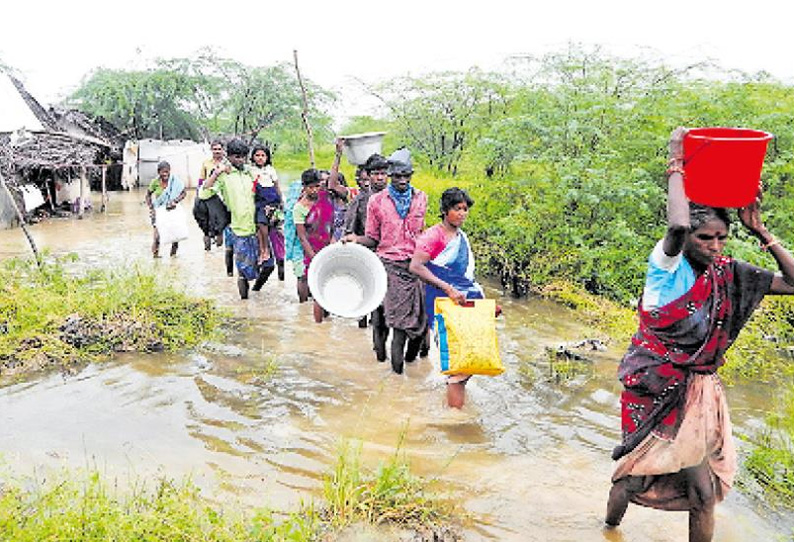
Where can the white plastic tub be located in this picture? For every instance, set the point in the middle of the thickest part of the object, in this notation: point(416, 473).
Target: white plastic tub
point(347, 280)
point(359, 147)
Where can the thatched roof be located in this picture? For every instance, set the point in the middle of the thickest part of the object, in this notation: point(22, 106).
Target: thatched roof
point(48, 150)
point(70, 138)
point(77, 123)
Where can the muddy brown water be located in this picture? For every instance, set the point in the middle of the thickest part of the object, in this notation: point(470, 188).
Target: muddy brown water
point(528, 457)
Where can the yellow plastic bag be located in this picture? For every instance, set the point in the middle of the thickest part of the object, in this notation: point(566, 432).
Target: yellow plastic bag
point(466, 337)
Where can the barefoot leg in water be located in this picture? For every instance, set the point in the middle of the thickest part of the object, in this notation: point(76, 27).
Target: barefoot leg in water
point(702, 499)
point(456, 394)
point(618, 502)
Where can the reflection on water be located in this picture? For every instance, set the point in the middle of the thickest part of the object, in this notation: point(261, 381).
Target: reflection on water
point(260, 417)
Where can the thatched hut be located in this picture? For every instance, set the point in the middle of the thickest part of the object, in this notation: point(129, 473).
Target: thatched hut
point(49, 158)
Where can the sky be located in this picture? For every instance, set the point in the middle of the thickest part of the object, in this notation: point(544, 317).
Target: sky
point(54, 44)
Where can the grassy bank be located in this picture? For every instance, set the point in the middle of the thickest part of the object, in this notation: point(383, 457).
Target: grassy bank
point(81, 507)
point(50, 317)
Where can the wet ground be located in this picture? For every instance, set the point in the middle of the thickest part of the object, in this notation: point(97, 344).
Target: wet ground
point(259, 418)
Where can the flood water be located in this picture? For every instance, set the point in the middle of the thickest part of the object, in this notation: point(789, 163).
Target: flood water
point(528, 457)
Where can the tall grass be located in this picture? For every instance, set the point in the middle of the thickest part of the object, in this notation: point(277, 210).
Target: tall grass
point(770, 461)
point(388, 494)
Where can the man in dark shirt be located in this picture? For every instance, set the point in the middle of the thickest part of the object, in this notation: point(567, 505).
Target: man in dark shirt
point(376, 168)
point(356, 217)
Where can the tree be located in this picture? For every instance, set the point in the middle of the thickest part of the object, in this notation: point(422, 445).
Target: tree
point(270, 97)
point(438, 115)
point(154, 103)
point(198, 96)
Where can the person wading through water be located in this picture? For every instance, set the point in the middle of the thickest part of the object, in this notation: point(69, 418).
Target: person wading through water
point(372, 180)
point(395, 218)
point(677, 451)
point(444, 261)
point(167, 190)
point(208, 210)
point(313, 215)
point(269, 202)
point(234, 183)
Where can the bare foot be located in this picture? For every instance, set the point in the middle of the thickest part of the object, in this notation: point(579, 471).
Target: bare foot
point(612, 534)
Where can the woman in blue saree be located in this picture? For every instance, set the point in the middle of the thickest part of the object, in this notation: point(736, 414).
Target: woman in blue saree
point(444, 261)
point(677, 451)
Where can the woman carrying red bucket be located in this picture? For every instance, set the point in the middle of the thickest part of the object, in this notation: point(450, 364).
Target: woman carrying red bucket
point(677, 452)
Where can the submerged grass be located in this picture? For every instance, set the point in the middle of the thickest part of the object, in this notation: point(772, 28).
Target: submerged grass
point(770, 462)
point(389, 494)
point(615, 321)
point(88, 509)
point(50, 317)
point(82, 507)
point(260, 371)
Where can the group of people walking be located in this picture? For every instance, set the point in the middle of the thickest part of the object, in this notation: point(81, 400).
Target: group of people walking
point(677, 451)
point(242, 206)
point(387, 215)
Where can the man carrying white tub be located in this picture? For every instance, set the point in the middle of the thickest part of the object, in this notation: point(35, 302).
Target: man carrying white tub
point(394, 218)
point(375, 169)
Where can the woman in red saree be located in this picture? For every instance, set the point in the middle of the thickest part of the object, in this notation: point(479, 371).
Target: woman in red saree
point(677, 451)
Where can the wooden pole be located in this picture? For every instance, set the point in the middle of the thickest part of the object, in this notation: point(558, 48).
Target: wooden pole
point(21, 218)
point(104, 188)
point(81, 200)
point(305, 112)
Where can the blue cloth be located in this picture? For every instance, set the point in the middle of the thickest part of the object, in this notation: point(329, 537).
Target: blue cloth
point(667, 278)
point(171, 192)
point(267, 201)
point(228, 237)
point(402, 200)
point(292, 245)
point(455, 266)
point(246, 254)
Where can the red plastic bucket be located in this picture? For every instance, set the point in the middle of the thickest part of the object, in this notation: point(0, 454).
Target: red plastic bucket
point(722, 166)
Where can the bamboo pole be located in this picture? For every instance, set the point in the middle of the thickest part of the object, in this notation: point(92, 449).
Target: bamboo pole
point(305, 112)
point(21, 218)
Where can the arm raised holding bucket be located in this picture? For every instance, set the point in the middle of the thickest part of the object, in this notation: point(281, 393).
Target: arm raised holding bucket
point(679, 225)
point(333, 179)
point(677, 452)
point(783, 282)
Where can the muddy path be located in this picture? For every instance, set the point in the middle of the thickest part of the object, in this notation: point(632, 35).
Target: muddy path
point(259, 417)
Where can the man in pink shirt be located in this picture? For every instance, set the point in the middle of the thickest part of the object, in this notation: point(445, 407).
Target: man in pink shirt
point(395, 218)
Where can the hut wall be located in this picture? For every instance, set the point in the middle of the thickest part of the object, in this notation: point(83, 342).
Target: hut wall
point(68, 191)
point(184, 156)
point(129, 174)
